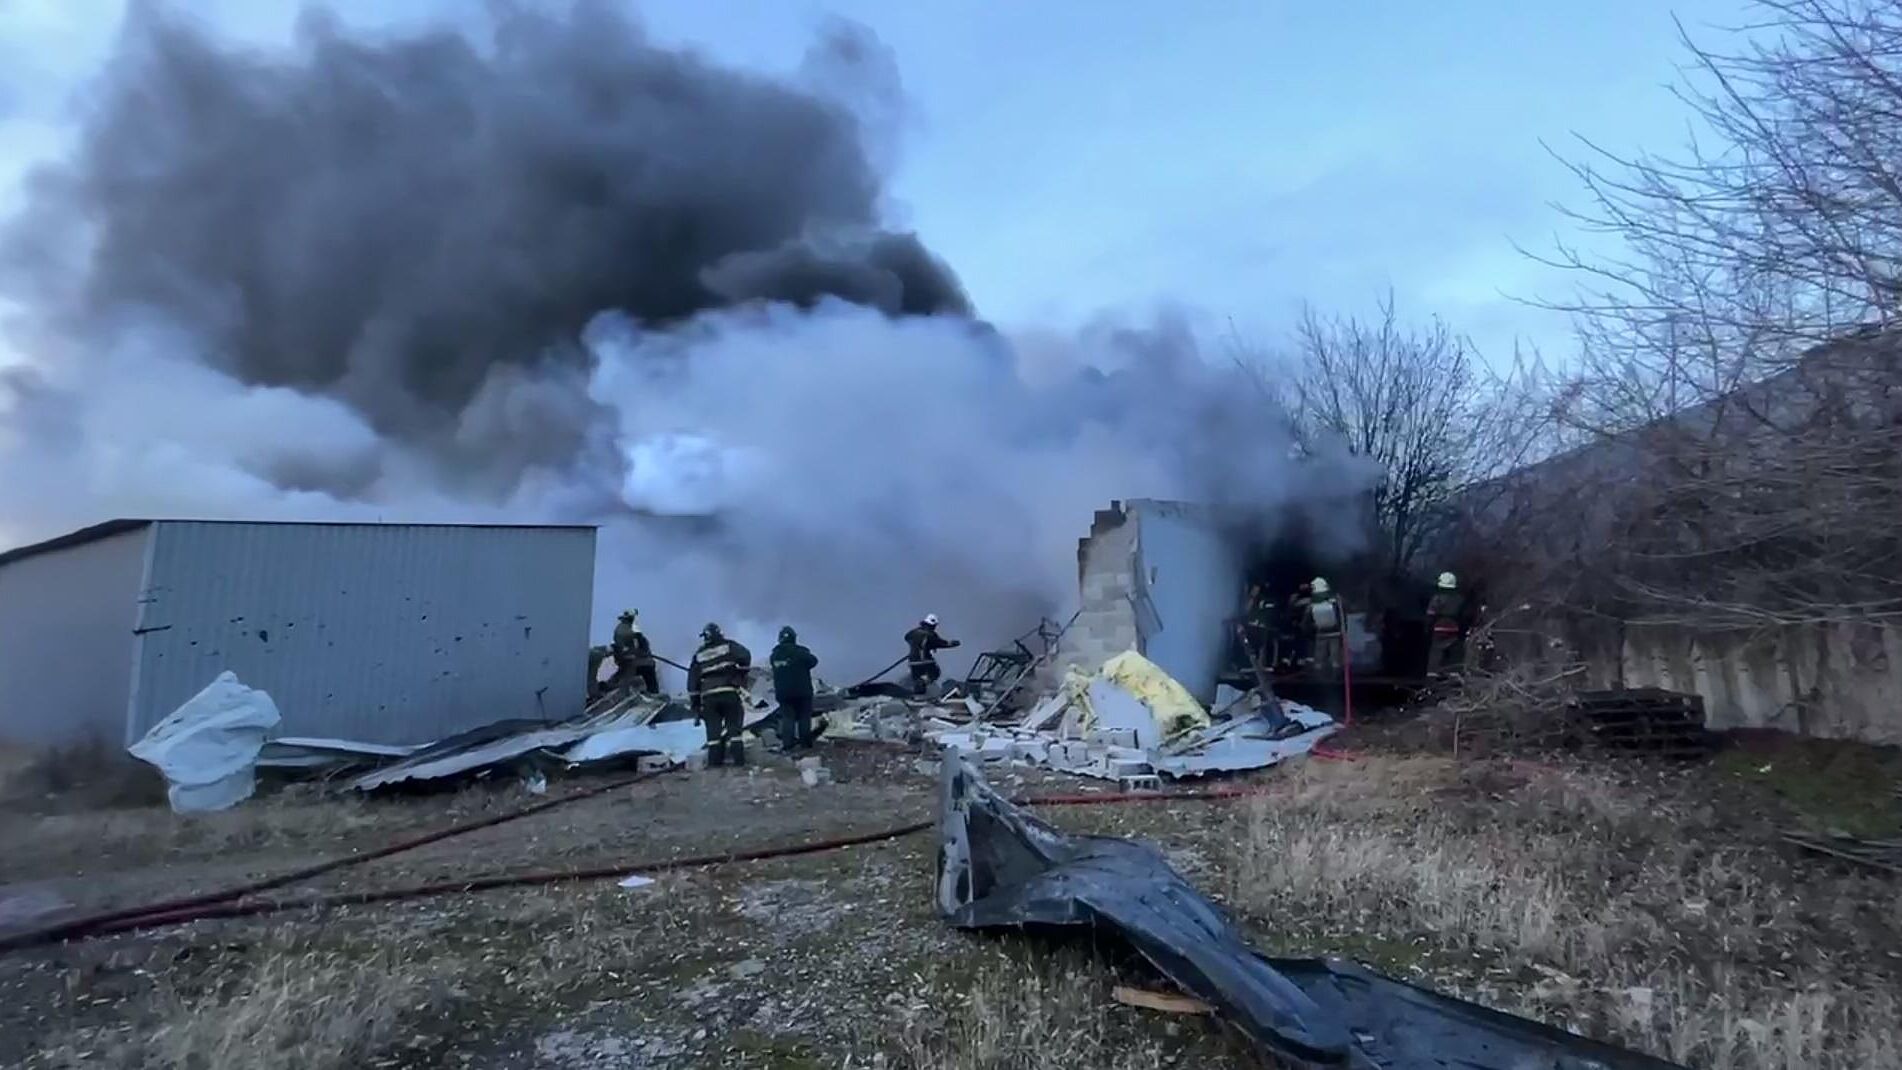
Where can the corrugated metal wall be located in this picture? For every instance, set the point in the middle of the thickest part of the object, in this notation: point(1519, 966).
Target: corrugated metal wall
point(66, 645)
point(382, 633)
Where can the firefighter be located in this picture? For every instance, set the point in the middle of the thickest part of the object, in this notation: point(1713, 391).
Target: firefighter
point(596, 655)
point(633, 654)
point(1324, 629)
point(1260, 629)
point(1295, 626)
point(922, 644)
point(1446, 625)
point(792, 686)
point(716, 678)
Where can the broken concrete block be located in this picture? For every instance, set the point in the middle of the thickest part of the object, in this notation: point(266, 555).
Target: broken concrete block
point(1076, 753)
point(814, 777)
point(1113, 737)
point(1032, 751)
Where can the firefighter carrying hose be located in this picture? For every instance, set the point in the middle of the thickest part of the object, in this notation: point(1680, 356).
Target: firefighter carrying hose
point(716, 678)
point(633, 654)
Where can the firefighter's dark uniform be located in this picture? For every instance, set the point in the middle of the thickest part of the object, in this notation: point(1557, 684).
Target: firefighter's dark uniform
point(792, 686)
point(922, 644)
point(716, 679)
point(1445, 622)
point(633, 654)
point(1259, 628)
point(596, 655)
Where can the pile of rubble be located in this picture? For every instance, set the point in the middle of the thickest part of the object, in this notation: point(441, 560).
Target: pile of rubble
point(1130, 723)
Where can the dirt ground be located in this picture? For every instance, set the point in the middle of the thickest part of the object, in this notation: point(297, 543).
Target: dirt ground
point(1641, 903)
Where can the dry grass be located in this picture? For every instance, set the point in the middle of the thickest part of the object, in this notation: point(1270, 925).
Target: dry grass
point(87, 777)
point(298, 1005)
point(1565, 896)
point(1031, 1007)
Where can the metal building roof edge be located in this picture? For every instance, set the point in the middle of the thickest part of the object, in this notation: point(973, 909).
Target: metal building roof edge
point(122, 525)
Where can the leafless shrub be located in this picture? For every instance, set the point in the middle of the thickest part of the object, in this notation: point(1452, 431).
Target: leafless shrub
point(1739, 365)
point(1418, 404)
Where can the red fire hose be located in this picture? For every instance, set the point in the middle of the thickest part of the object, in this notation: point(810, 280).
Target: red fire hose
point(223, 904)
point(92, 922)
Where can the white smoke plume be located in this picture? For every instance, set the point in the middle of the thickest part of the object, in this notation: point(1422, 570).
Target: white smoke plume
point(565, 275)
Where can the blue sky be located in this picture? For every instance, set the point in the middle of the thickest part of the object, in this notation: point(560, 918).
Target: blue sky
point(1071, 157)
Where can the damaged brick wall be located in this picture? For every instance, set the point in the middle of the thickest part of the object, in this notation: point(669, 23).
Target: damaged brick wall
point(1106, 623)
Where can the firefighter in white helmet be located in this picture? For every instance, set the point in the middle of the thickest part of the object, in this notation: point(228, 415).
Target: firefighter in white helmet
point(1446, 614)
point(1324, 625)
point(921, 646)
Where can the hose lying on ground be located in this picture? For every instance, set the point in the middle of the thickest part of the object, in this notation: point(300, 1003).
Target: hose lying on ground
point(84, 925)
point(223, 904)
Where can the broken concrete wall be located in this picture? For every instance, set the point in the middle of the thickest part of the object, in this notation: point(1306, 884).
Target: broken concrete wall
point(1106, 620)
point(1840, 679)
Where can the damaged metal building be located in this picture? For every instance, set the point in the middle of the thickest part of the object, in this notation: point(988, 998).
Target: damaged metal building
point(381, 633)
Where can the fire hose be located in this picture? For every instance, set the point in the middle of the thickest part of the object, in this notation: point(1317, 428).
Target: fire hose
point(226, 904)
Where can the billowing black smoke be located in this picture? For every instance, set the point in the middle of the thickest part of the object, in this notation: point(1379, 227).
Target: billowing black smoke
point(410, 224)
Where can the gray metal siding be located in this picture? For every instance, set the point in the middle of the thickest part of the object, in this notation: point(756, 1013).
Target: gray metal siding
point(381, 633)
point(66, 645)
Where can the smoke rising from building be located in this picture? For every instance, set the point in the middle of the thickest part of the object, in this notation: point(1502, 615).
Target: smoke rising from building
point(565, 274)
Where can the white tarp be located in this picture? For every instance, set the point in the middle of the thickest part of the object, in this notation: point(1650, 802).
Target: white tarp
point(208, 748)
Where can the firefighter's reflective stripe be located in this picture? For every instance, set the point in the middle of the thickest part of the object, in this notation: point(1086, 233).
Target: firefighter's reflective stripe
point(717, 668)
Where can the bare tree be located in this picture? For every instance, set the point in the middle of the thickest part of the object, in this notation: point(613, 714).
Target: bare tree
point(1740, 347)
point(1416, 402)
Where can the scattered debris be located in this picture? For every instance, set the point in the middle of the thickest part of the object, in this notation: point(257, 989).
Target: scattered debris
point(328, 755)
point(813, 772)
point(1000, 868)
point(208, 748)
point(675, 741)
point(1151, 1000)
point(1665, 723)
point(1885, 855)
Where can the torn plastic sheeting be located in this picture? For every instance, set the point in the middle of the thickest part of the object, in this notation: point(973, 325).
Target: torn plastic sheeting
point(677, 740)
point(1001, 868)
point(208, 748)
point(432, 765)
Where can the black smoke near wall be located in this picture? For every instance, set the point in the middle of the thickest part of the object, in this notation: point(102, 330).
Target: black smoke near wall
point(420, 225)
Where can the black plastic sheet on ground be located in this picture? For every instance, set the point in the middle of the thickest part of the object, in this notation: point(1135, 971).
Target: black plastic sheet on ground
point(999, 867)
